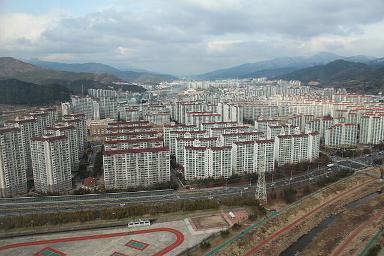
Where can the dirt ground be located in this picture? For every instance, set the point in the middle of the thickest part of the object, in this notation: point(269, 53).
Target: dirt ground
point(209, 222)
point(283, 240)
point(327, 240)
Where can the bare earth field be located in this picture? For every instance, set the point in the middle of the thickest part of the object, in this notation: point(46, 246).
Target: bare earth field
point(278, 233)
point(209, 222)
point(362, 221)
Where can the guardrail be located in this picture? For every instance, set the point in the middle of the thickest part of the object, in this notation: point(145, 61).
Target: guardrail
point(85, 197)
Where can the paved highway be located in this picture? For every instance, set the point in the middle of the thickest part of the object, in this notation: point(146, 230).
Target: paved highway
point(29, 205)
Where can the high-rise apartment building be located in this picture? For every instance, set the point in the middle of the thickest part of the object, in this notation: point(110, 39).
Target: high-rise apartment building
point(28, 128)
point(78, 121)
point(372, 128)
point(207, 162)
point(292, 149)
point(134, 167)
point(13, 169)
point(253, 156)
point(51, 164)
point(71, 134)
point(341, 134)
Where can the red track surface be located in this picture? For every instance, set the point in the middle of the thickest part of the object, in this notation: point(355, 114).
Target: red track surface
point(256, 248)
point(340, 248)
point(179, 239)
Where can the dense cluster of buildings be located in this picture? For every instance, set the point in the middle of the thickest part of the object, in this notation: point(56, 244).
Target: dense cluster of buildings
point(221, 149)
point(37, 146)
point(212, 129)
point(134, 156)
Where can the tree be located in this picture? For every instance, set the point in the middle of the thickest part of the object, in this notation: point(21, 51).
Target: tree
point(205, 245)
point(290, 195)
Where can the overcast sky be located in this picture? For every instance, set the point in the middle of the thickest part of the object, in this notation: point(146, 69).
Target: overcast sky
point(188, 36)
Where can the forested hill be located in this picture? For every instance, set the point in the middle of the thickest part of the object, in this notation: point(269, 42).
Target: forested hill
point(356, 77)
point(13, 91)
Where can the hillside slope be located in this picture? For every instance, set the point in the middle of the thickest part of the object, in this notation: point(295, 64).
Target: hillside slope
point(278, 66)
point(357, 77)
point(99, 68)
point(15, 92)
point(11, 68)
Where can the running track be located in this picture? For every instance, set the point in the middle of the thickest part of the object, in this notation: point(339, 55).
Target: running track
point(340, 248)
point(179, 239)
point(256, 248)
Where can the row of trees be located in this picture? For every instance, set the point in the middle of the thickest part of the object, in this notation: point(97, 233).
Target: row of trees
point(130, 211)
point(352, 152)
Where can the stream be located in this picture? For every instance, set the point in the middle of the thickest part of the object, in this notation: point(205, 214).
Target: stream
point(303, 241)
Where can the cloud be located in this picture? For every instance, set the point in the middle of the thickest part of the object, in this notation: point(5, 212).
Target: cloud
point(24, 29)
point(221, 46)
point(124, 51)
point(192, 36)
point(57, 57)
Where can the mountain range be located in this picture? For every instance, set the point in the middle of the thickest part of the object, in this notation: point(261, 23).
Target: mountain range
point(357, 73)
point(24, 83)
point(132, 75)
point(13, 68)
point(354, 76)
point(279, 66)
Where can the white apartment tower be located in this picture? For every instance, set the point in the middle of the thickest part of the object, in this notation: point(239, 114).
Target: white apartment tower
point(51, 164)
point(70, 132)
point(372, 129)
point(78, 121)
point(253, 156)
point(207, 162)
point(292, 149)
point(13, 169)
point(28, 129)
point(341, 134)
point(88, 106)
point(135, 167)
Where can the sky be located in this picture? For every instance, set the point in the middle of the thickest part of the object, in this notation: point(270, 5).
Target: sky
point(185, 37)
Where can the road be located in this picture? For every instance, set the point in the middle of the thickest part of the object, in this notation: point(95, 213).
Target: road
point(50, 204)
